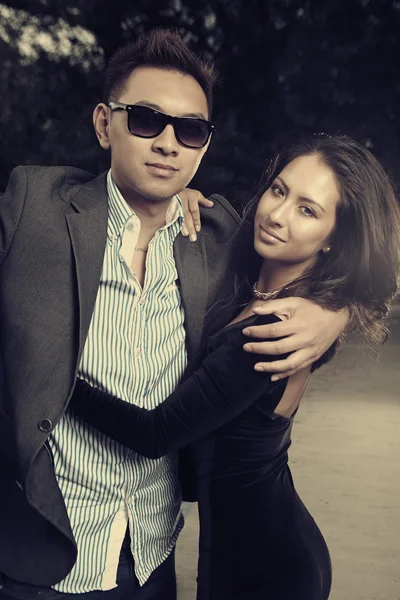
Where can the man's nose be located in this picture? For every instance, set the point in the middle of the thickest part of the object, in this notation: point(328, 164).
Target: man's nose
point(166, 142)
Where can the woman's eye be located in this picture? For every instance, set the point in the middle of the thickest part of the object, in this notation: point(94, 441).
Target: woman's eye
point(307, 211)
point(277, 190)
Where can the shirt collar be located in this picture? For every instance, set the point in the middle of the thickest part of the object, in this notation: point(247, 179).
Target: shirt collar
point(120, 211)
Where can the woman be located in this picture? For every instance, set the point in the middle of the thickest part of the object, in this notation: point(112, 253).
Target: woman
point(326, 227)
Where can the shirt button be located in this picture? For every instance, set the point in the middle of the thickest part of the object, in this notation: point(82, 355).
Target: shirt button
point(45, 425)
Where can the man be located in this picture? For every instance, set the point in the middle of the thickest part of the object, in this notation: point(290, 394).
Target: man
point(97, 281)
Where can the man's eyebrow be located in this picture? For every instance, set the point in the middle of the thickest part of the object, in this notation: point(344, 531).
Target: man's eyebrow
point(302, 198)
point(159, 109)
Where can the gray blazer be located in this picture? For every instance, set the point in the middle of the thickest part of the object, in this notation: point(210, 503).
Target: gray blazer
point(53, 224)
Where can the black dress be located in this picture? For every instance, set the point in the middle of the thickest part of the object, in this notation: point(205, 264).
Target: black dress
point(257, 539)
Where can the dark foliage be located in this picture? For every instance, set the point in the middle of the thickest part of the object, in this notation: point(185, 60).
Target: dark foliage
point(288, 67)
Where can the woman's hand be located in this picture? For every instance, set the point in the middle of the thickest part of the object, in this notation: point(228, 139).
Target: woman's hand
point(191, 199)
point(307, 333)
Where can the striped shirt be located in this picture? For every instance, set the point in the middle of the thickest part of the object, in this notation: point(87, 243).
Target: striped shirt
point(135, 349)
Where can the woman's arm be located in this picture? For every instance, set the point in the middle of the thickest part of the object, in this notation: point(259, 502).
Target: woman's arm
point(191, 200)
point(223, 387)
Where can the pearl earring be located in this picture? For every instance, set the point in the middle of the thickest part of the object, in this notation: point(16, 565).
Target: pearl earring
point(327, 249)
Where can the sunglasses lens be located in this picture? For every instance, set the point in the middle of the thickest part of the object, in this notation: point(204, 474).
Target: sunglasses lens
point(193, 132)
point(145, 122)
point(148, 123)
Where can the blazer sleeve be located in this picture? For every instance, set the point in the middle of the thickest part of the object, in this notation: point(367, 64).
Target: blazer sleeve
point(223, 387)
point(12, 203)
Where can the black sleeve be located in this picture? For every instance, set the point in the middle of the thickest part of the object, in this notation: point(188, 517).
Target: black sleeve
point(223, 387)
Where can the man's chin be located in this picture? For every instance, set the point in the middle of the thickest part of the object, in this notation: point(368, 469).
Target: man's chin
point(156, 193)
point(161, 194)
point(164, 197)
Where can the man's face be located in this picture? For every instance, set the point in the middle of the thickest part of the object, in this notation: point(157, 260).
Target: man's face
point(134, 160)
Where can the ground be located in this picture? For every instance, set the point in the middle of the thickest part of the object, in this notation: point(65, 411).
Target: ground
point(345, 460)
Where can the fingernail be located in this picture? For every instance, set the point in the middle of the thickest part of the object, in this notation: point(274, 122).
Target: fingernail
point(258, 368)
point(248, 348)
point(193, 237)
point(184, 231)
point(197, 227)
point(211, 202)
point(275, 378)
point(246, 331)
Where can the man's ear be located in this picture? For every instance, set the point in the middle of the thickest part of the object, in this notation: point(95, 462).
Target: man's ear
point(207, 145)
point(101, 122)
point(203, 152)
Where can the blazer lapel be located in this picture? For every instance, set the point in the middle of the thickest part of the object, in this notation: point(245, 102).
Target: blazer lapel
point(191, 264)
point(88, 232)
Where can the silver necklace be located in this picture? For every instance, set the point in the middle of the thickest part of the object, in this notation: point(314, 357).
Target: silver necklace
point(264, 295)
point(141, 249)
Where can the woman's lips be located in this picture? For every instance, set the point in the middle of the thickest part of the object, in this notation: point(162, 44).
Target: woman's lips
point(269, 236)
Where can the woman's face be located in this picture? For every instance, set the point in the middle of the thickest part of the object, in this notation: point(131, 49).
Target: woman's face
point(296, 215)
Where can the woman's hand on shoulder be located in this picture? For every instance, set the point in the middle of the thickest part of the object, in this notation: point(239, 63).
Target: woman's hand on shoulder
point(191, 200)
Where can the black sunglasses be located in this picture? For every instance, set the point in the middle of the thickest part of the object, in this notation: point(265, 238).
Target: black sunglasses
point(146, 122)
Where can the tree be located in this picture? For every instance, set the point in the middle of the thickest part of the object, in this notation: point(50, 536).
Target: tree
point(287, 67)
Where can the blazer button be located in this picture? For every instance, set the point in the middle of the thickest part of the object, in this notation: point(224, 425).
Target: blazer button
point(45, 425)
